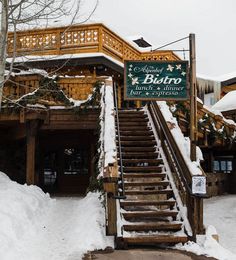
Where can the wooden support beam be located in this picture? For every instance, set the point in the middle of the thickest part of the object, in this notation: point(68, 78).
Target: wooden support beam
point(32, 127)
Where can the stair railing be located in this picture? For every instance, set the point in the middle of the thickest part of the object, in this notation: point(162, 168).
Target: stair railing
point(121, 191)
point(181, 173)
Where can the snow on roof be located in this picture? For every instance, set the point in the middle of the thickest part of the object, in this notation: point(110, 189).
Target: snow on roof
point(227, 76)
point(226, 103)
point(65, 56)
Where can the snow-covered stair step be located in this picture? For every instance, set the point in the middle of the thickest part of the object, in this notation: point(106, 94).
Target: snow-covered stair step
point(130, 123)
point(143, 161)
point(146, 183)
point(138, 149)
point(143, 169)
point(138, 143)
point(149, 192)
point(140, 155)
point(155, 239)
point(137, 138)
point(149, 214)
point(154, 226)
point(127, 203)
point(135, 132)
point(144, 175)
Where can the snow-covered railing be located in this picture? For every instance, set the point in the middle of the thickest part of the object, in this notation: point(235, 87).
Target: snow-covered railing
point(182, 170)
point(86, 38)
point(108, 156)
point(213, 128)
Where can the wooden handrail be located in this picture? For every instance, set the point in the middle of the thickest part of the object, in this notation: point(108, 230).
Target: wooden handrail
point(180, 170)
point(80, 39)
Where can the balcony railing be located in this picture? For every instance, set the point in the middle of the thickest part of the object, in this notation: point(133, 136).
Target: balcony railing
point(90, 38)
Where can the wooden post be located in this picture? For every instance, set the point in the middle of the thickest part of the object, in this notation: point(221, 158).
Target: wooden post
point(30, 156)
point(138, 103)
point(193, 98)
point(111, 210)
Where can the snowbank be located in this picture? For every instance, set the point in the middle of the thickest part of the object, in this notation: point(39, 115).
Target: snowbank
point(207, 245)
point(21, 206)
point(35, 227)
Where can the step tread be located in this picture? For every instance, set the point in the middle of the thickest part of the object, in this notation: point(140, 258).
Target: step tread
point(146, 183)
point(143, 168)
point(146, 226)
point(137, 138)
point(144, 175)
point(138, 143)
point(149, 214)
point(143, 160)
point(156, 239)
point(147, 202)
point(148, 192)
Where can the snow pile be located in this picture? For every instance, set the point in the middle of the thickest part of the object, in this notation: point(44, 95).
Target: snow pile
point(207, 245)
point(107, 138)
point(226, 103)
point(109, 131)
point(182, 142)
point(35, 227)
point(21, 206)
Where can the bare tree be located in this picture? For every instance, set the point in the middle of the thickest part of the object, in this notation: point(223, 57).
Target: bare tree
point(24, 14)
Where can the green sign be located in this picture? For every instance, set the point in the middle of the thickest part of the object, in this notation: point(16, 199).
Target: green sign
point(156, 80)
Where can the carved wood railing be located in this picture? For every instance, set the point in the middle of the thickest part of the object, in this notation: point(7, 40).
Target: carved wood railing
point(90, 38)
point(76, 88)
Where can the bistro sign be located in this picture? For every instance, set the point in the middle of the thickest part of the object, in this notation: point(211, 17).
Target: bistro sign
point(156, 80)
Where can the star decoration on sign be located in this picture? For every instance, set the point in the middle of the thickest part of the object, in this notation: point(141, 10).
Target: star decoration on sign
point(178, 66)
point(147, 93)
point(130, 75)
point(135, 81)
point(170, 68)
point(158, 88)
point(183, 73)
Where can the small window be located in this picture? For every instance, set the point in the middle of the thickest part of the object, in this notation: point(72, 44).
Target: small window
point(225, 166)
point(216, 166)
point(76, 161)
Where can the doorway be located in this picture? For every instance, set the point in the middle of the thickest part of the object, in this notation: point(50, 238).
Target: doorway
point(67, 164)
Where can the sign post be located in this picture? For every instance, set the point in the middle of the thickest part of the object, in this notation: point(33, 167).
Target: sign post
point(156, 80)
point(193, 98)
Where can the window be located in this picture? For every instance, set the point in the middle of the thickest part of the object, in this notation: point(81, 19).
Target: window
point(75, 161)
point(223, 165)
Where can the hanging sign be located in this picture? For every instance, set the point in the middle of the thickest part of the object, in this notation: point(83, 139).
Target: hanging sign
point(199, 185)
point(156, 80)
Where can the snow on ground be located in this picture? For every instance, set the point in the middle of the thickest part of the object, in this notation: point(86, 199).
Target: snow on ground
point(35, 227)
point(221, 213)
point(220, 218)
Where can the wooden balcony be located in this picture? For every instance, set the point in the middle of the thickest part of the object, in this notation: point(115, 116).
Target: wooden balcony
point(75, 88)
point(82, 39)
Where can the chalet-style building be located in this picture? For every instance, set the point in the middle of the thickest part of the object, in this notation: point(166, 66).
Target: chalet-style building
point(56, 133)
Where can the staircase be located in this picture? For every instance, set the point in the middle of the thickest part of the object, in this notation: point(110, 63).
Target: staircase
point(149, 212)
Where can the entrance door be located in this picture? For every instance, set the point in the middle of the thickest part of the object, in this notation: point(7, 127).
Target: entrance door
point(66, 170)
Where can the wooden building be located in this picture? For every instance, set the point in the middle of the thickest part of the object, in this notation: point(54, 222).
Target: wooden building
point(49, 126)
